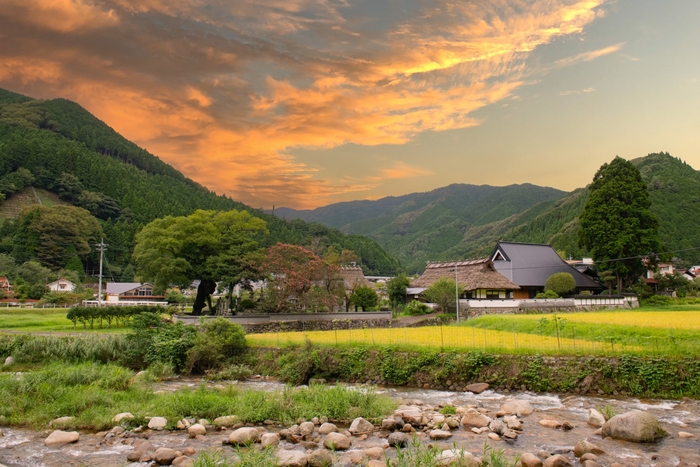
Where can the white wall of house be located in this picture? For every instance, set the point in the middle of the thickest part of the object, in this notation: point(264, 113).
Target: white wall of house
point(61, 285)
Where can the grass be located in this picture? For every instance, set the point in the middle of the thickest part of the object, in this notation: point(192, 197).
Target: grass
point(46, 320)
point(644, 332)
point(93, 393)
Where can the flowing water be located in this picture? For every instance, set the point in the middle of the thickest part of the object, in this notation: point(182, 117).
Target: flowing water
point(23, 447)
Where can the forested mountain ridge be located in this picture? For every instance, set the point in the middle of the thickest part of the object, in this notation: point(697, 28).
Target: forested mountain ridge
point(59, 146)
point(427, 226)
point(674, 188)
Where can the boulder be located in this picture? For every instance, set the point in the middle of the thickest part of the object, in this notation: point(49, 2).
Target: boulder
point(122, 416)
point(307, 428)
point(337, 442)
point(412, 415)
point(227, 420)
point(61, 422)
point(9, 360)
point(60, 438)
point(398, 440)
point(374, 453)
point(439, 434)
point(320, 458)
point(549, 423)
point(183, 461)
point(513, 423)
point(497, 426)
point(510, 434)
point(590, 463)
point(518, 407)
point(558, 461)
point(635, 426)
point(388, 424)
point(477, 388)
point(686, 435)
point(360, 426)
point(475, 419)
point(164, 456)
point(327, 428)
point(458, 457)
point(269, 439)
point(595, 418)
point(291, 458)
point(586, 447)
point(243, 436)
point(157, 423)
point(494, 436)
point(530, 460)
point(196, 429)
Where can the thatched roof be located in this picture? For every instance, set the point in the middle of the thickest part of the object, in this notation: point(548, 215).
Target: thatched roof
point(353, 277)
point(472, 275)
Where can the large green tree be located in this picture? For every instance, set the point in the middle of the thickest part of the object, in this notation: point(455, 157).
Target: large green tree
point(209, 246)
point(617, 226)
point(443, 292)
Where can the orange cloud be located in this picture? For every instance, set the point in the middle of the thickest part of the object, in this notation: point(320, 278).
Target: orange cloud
point(224, 91)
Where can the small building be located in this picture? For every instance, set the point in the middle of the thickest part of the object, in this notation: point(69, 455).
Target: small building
point(131, 292)
point(61, 285)
point(478, 279)
point(5, 285)
point(529, 265)
point(353, 277)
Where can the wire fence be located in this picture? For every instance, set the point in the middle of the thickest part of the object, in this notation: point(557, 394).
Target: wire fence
point(465, 338)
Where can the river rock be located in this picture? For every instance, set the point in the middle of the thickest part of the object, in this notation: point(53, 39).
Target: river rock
point(494, 436)
point(477, 388)
point(196, 429)
point(510, 434)
point(307, 428)
point(686, 435)
point(243, 436)
point(398, 440)
point(337, 442)
point(635, 426)
point(360, 425)
point(1, 434)
point(530, 460)
point(59, 438)
point(9, 360)
point(291, 458)
point(376, 463)
point(157, 423)
point(183, 461)
point(374, 453)
point(412, 415)
point(549, 423)
point(269, 439)
point(327, 428)
point(388, 424)
point(513, 423)
point(585, 447)
point(164, 456)
point(122, 416)
point(558, 461)
point(475, 419)
point(518, 407)
point(595, 418)
point(458, 457)
point(320, 458)
point(61, 422)
point(439, 434)
point(497, 426)
point(589, 463)
point(227, 420)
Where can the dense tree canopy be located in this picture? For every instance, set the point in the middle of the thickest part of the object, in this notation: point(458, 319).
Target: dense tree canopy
point(209, 246)
point(617, 226)
point(561, 283)
point(443, 292)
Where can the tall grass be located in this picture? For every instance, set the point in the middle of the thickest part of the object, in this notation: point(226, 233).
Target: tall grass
point(70, 349)
point(93, 393)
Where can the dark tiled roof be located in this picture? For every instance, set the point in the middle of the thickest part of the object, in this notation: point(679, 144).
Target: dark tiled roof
point(530, 265)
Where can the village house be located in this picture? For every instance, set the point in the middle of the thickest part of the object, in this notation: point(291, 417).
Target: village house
point(118, 292)
point(478, 279)
point(61, 285)
point(530, 265)
point(5, 285)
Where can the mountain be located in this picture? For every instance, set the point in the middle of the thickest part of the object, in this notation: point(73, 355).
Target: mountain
point(427, 226)
point(403, 225)
point(57, 147)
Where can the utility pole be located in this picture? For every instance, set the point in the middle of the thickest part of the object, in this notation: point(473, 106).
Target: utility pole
point(457, 294)
point(102, 246)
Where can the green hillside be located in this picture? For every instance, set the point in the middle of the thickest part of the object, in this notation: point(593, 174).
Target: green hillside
point(69, 152)
point(442, 225)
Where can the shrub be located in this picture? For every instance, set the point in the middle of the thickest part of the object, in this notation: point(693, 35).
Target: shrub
point(547, 294)
point(416, 308)
point(216, 341)
point(560, 283)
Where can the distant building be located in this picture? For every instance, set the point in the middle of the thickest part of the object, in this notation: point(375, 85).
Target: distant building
point(131, 292)
point(5, 285)
point(61, 285)
point(530, 265)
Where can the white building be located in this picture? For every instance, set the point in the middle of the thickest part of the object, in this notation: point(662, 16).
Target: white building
point(61, 285)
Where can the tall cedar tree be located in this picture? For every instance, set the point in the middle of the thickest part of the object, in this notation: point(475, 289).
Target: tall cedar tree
point(617, 224)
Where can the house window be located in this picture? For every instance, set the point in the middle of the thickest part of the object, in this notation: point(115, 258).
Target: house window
point(144, 291)
point(62, 286)
point(492, 295)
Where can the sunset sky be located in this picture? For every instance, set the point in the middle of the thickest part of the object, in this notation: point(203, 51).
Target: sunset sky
point(302, 103)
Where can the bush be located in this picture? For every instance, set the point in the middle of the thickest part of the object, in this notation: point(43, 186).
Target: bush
point(560, 283)
point(155, 341)
point(547, 294)
point(416, 308)
point(121, 315)
point(216, 342)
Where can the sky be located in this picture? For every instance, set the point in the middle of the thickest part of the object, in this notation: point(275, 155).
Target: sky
point(304, 103)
